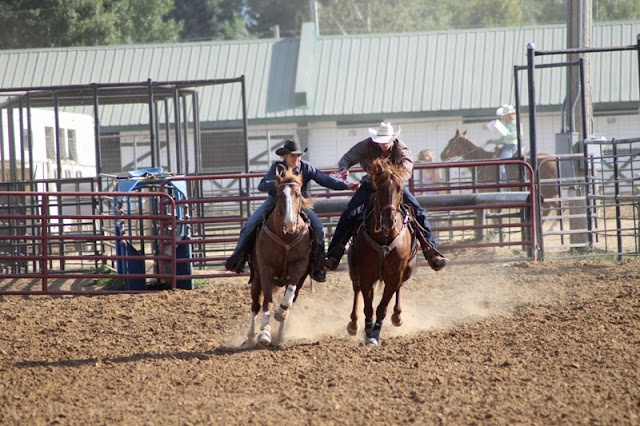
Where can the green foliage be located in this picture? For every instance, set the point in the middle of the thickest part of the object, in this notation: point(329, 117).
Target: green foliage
point(381, 16)
point(210, 19)
point(485, 13)
point(262, 15)
point(613, 10)
point(85, 23)
point(540, 12)
point(108, 284)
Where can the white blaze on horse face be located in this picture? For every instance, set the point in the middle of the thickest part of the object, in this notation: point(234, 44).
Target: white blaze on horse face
point(290, 216)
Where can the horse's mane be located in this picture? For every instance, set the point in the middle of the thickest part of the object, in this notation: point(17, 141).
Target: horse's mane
point(383, 169)
point(285, 176)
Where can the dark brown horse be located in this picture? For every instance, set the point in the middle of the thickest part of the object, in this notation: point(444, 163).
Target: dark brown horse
point(461, 146)
point(383, 249)
point(280, 257)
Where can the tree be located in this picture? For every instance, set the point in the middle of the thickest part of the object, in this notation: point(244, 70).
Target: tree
point(539, 12)
point(262, 15)
point(210, 19)
point(380, 16)
point(613, 10)
point(485, 13)
point(85, 23)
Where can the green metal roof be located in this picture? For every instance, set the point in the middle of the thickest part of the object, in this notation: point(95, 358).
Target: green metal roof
point(340, 77)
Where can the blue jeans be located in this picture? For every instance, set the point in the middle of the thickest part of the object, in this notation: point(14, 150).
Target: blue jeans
point(507, 151)
point(356, 206)
point(267, 206)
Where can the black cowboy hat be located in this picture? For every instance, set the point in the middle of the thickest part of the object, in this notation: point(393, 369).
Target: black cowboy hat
point(290, 147)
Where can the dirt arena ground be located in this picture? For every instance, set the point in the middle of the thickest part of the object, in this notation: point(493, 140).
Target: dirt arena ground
point(535, 344)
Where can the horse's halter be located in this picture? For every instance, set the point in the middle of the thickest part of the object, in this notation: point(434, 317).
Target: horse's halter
point(291, 192)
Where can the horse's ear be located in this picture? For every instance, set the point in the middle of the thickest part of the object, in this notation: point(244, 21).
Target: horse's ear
point(464, 133)
point(279, 176)
point(457, 133)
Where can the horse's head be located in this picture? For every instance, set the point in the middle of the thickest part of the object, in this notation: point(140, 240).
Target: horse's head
point(455, 147)
point(388, 182)
point(290, 199)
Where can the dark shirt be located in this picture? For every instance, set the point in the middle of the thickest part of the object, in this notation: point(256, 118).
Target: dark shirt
point(364, 152)
point(268, 182)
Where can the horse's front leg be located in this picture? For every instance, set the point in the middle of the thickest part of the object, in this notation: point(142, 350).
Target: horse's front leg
point(396, 318)
point(352, 326)
point(264, 337)
point(367, 298)
point(373, 337)
point(282, 311)
point(256, 290)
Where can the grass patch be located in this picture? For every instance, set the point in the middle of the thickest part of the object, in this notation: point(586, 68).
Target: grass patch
point(108, 284)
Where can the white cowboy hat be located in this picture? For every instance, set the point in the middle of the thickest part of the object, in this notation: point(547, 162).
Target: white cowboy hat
point(505, 110)
point(384, 133)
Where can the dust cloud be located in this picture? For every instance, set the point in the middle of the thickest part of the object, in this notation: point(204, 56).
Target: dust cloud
point(430, 301)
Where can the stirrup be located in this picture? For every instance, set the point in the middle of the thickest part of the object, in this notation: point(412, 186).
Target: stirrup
point(319, 274)
point(435, 259)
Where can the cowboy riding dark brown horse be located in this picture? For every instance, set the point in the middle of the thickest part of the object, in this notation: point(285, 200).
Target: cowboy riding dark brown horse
point(383, 249)
point(280, 257)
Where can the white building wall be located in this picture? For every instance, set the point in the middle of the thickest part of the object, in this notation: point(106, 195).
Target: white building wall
point(45, 168)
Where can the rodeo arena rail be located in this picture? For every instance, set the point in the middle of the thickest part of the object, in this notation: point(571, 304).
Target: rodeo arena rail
point(151, 230)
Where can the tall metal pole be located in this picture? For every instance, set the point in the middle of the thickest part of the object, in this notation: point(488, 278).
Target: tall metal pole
point(152, 136)
point(532, 105)
point(532, 140)
point(245, 124)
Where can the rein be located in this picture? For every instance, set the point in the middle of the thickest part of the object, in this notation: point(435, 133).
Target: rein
point(472, 150)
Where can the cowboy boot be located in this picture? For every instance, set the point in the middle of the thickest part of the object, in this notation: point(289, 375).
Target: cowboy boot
point(318, 272)
point(435, 259)
point(333, 258)
point(236, 262)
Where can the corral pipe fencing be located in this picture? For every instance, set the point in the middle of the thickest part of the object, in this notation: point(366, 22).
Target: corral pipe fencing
point(67, 251)
point(477, 216)
point(44, 252)
point(464, 214)
point(597, 209)
point(531, 66)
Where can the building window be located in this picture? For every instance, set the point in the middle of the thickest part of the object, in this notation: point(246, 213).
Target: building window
point(51, 143)
point(62, 139)
point(72, 147)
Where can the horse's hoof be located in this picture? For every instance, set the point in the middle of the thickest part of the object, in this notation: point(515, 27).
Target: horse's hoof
point(250, 342)
point(396, 320)
point(264, 338)
point(351, 329)
point(281, 314)
point(371, 341)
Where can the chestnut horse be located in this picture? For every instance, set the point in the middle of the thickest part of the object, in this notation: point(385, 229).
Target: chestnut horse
point(461, 146)
point(383, 248)
point(280, 257)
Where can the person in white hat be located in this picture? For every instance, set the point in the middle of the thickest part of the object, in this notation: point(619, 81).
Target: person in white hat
point(291, 154)
point(382, 142)
point(507, 141)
